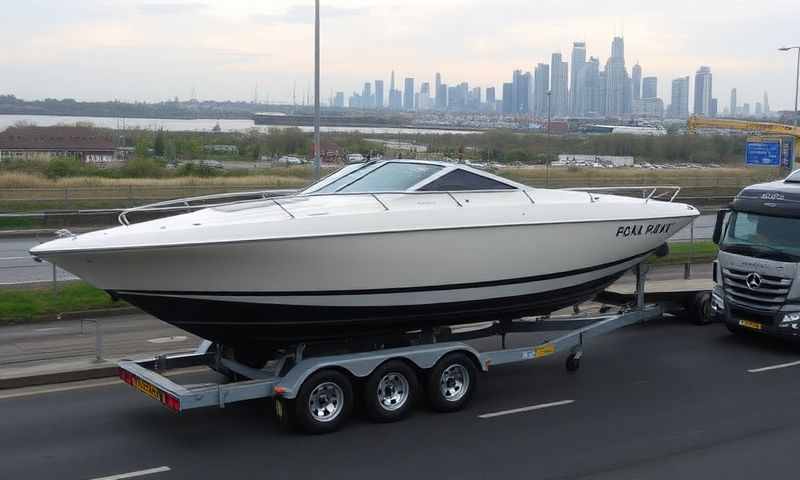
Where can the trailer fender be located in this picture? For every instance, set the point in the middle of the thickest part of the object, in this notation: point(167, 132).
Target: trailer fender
point(360, 365)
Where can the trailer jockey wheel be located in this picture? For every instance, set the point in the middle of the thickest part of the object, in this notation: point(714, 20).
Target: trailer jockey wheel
point(282, 413)
point(324, 402)
point(573, 362)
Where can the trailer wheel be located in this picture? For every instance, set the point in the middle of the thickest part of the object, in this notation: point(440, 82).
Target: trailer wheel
point(390, 392)
point(324, 402)
point(700, 309)
point(451, 382)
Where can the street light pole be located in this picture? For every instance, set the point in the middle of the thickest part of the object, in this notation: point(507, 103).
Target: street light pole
point(796, 88)
point(547, 159)
point(316, 92)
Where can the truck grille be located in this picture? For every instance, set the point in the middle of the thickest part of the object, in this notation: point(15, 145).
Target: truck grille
point(769, 296)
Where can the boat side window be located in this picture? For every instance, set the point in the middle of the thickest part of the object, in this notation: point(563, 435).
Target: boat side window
point(459, 180)
point(794, 178)
point(392, 177)
point(350, 177)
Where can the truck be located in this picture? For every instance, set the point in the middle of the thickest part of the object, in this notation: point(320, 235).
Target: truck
point(756, 286)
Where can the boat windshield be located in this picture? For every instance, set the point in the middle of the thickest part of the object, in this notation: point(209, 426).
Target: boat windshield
point(763, 236)
point(379, 177)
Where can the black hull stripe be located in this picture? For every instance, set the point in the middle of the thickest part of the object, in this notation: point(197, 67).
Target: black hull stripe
point(378, 291)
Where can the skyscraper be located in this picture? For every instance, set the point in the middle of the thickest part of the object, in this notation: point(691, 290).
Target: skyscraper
point(558, 85)
point(338, 101)
point(576, 87)
point(424, 102)
point(408, 94)
point(590, 89)
point(734, 107)
point(378, 93)
point(766, 103)
point(508, 96)
point(490, 97)
point(441, 96)
point(679, 108)
point(649, 87)
point(636, 78)
point(367, 100)
point(520, 94)
point(618, 84)
point(438, 101)
point(541, 85)
point(702, 91)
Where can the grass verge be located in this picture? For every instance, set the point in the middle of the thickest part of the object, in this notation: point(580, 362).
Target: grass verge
point(21, 305)
point(680, 253)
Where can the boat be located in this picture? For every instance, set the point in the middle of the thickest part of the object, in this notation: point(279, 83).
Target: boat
point(382, 246)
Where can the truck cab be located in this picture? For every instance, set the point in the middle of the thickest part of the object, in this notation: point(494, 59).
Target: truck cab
point(756, 285)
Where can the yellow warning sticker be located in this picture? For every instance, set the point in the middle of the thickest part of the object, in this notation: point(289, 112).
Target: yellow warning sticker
point(546, 349)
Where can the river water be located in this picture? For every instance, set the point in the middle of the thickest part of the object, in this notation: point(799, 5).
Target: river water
point(191, 125)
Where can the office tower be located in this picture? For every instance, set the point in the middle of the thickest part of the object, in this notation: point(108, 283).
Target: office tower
point(424, 102)
point(408, 94)
point(702, 91)
point(636, 78)
point(437, 90)
point(378, 93)
point(618, 84)
point(679, 108)
point(586, 100)
point(746, 110)
point(649, 87)
point(541, 85)
point(490, 96)
point(712, 109)
point(508, 102)
point(576, 87)
point(758, 108)
point(391, 82)
point(441, 96)
point(338, 100)
point(766, 103)
point(734, 107)
point(558, 85)
point(366, 96)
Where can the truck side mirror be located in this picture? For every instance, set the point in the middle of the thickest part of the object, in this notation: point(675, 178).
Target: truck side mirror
point(720, 223)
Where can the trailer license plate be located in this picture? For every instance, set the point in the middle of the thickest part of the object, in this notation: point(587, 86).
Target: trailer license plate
point(749, 324)
point(147, 388)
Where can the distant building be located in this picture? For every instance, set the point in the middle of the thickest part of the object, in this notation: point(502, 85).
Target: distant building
point(508, 95)
point(649, 107)
point(338, 100)
point(746, 110)
point(541, 85)
point(90, 145)
point(766, 103)
point(575, 86)
point(758, 108)
point(712, 110)
point(636, 79)
point(733, 108)
point(702, 91)
point(490, 98)
point(559, 71)
point(619, 93)
point(367, 100)
point(441, 96)
point(521, 91)
point(379, 94)
point(649, 87)
point(679, 108)
point(408, 94)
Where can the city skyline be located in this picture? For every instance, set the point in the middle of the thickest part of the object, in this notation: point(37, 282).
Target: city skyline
point(153, 51)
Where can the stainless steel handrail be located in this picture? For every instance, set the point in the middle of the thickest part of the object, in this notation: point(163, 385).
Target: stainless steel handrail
point(653, 189)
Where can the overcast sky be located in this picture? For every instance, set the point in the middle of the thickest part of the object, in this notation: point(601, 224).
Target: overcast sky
point(223, 49)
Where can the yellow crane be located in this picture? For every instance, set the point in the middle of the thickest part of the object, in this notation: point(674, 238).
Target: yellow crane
point(758, 128)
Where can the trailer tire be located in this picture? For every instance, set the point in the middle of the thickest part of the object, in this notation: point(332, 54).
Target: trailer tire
point(324, 402)
point(452, 382)
point(573, 363)
point(700, 309)
point(390, 392)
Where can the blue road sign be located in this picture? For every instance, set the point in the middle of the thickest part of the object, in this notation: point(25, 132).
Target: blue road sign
point(763, 153)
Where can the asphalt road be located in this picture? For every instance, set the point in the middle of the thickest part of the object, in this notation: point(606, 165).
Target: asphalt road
point(17, 266)
point(663, 400)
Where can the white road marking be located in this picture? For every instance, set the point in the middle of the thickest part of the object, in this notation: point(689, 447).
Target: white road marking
point(50, 329)
point(526, 409)
point(138, 473)
point(178, 338)
point(83, 385)
point(774, 367)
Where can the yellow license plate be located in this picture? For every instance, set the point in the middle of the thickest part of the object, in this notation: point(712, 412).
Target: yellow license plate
point(147, 388)
point(749, 324)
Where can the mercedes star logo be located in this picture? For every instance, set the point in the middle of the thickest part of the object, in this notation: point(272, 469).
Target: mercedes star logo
point(753, 281)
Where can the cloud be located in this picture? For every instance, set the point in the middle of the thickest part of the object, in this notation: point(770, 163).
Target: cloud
point(302, 14)
point(171, 8)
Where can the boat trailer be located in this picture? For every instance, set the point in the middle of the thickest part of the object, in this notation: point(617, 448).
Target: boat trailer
point(317, 391)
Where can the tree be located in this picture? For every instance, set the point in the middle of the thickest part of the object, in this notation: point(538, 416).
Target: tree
point(159, 146)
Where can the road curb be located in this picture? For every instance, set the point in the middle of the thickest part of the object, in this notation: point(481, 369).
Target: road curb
point(81, 315)
point(105, 371)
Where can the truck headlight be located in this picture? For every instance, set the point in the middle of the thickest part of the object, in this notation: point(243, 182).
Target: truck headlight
point(791, 317)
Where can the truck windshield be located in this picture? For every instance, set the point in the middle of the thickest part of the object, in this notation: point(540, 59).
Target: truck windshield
point(763, 236)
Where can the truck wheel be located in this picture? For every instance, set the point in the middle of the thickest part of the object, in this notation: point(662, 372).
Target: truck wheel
point(451, 382)
point(390, 391)
point(324, 402)
point(700, 310)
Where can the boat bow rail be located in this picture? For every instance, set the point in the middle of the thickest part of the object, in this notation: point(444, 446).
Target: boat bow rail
point(666, 193)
